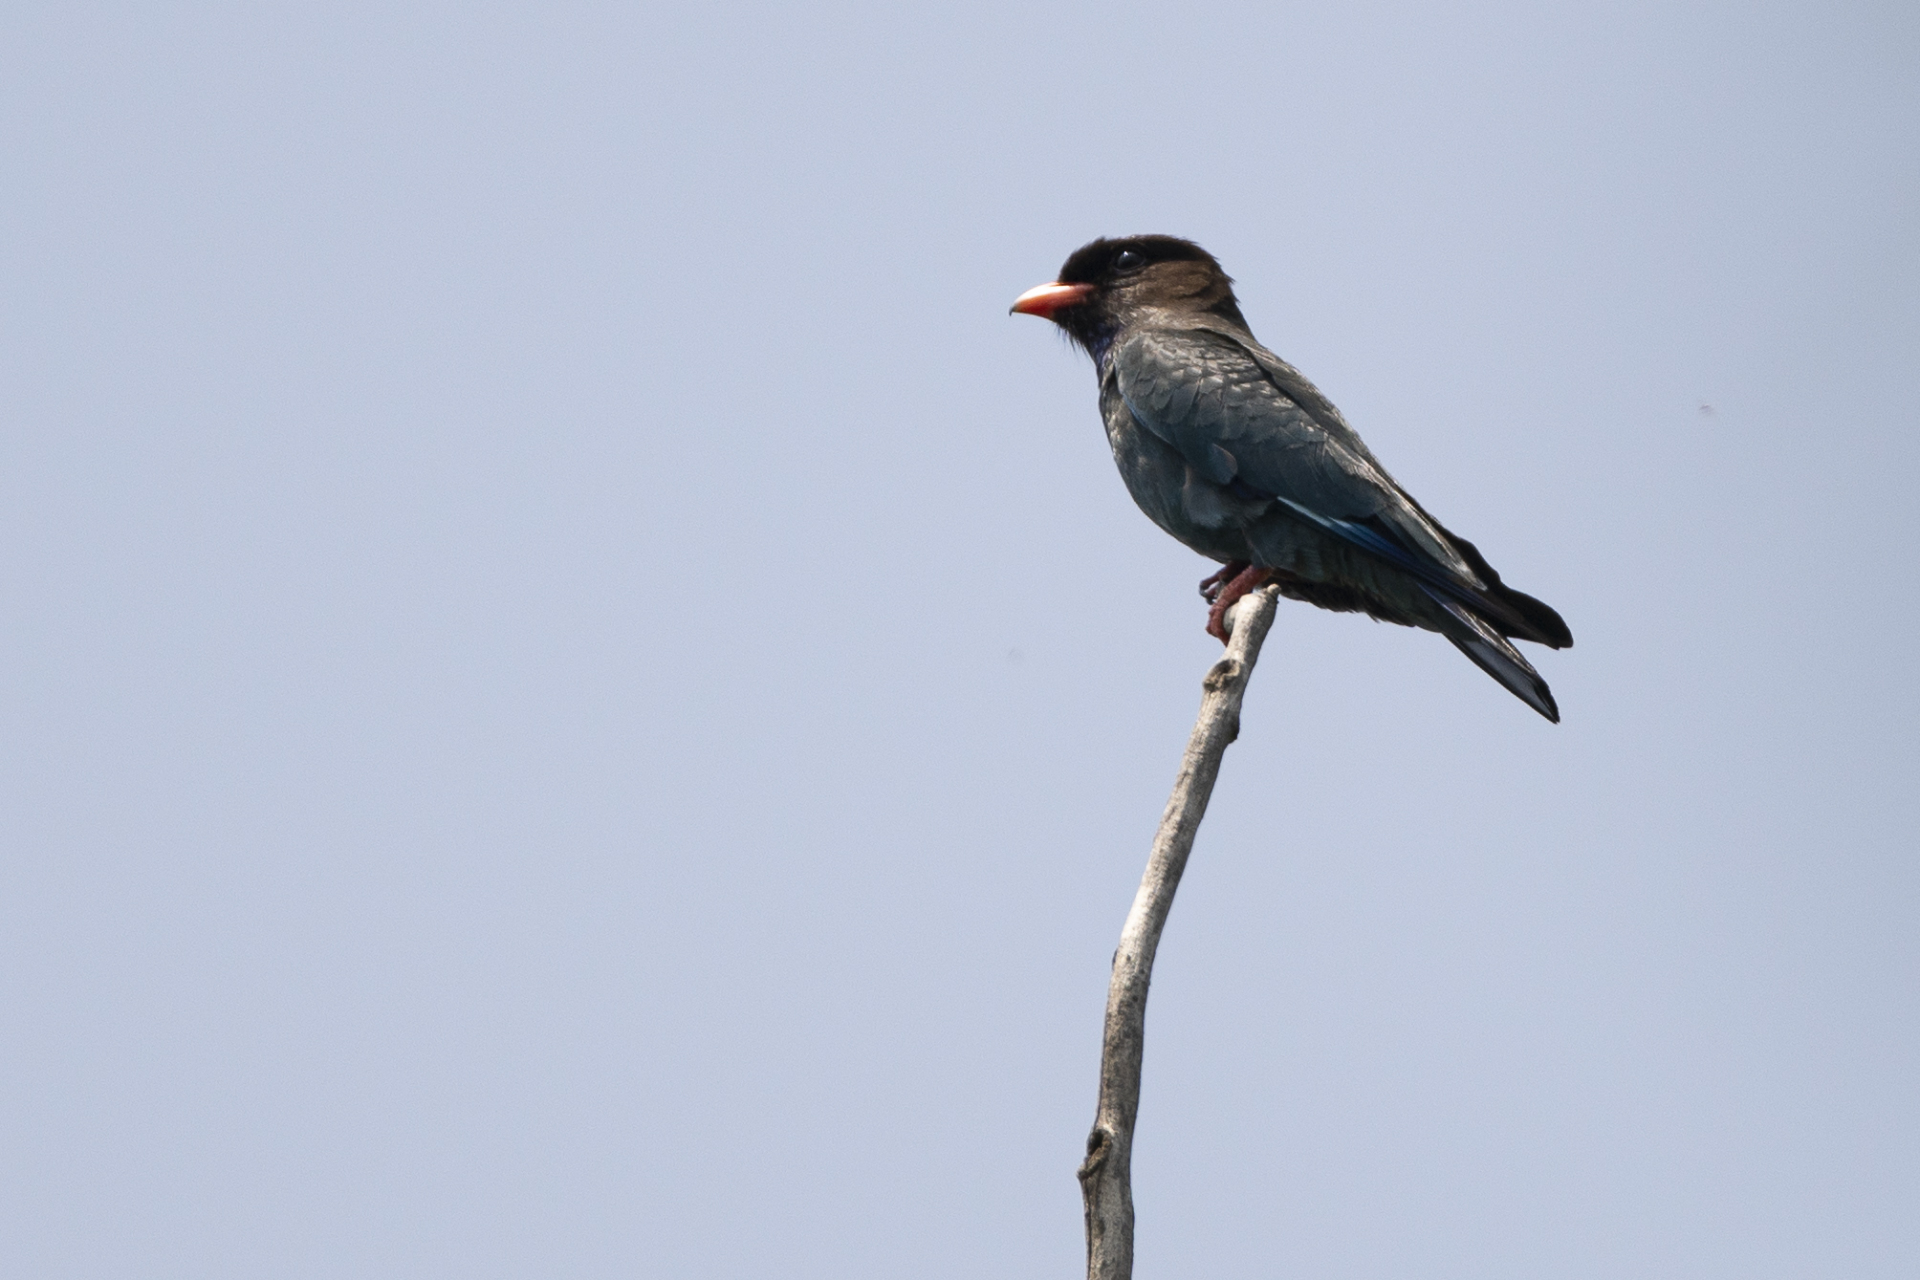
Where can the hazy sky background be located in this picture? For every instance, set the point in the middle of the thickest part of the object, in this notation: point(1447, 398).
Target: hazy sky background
point(581, 701)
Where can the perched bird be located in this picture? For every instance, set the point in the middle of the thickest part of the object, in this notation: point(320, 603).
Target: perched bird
point(1229, 449)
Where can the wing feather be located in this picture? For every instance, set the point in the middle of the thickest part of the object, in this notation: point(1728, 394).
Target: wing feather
point(1236, 411)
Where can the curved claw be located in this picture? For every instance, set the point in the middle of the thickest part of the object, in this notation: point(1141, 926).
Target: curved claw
point(1210, 588)
point(1229, 594)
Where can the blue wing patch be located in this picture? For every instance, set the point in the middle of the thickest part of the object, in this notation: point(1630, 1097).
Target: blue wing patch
point(1370, 539)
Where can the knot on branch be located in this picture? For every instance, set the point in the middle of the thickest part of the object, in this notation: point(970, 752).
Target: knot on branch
point(1099, 1143)
point(1223, 674)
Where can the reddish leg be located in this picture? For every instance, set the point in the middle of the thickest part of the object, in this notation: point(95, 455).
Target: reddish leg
point(1210, 588)
point(1248, 579)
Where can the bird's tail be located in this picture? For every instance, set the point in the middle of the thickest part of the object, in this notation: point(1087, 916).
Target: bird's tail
point(1477, 638)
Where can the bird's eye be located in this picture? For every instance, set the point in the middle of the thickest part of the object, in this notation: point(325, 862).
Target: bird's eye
point(1127, 260)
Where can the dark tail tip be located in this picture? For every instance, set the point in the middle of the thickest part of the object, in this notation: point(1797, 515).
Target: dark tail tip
point(1489, 650)
point(1547, 625)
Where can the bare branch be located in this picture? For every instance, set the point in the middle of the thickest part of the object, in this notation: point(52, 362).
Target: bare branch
point(1106, 1182)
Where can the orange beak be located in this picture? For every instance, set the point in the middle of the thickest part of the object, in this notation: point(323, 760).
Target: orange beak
point(1044, 300)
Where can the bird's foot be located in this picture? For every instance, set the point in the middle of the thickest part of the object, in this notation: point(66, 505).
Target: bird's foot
point(1226, 595)
point(1210, 588)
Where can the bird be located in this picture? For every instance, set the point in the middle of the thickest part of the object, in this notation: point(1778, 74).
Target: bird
point(1231, 450)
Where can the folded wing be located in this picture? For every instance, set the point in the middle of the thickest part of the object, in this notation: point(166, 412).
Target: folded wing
point(1212, 398)
point(1247, 421)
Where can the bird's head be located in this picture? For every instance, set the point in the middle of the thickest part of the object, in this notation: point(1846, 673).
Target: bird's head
point(1109, 284)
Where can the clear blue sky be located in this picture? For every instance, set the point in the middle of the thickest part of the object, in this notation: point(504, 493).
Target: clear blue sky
point(581, 701)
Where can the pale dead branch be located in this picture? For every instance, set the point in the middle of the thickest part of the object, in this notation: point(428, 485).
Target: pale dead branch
point(1106, 1175)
